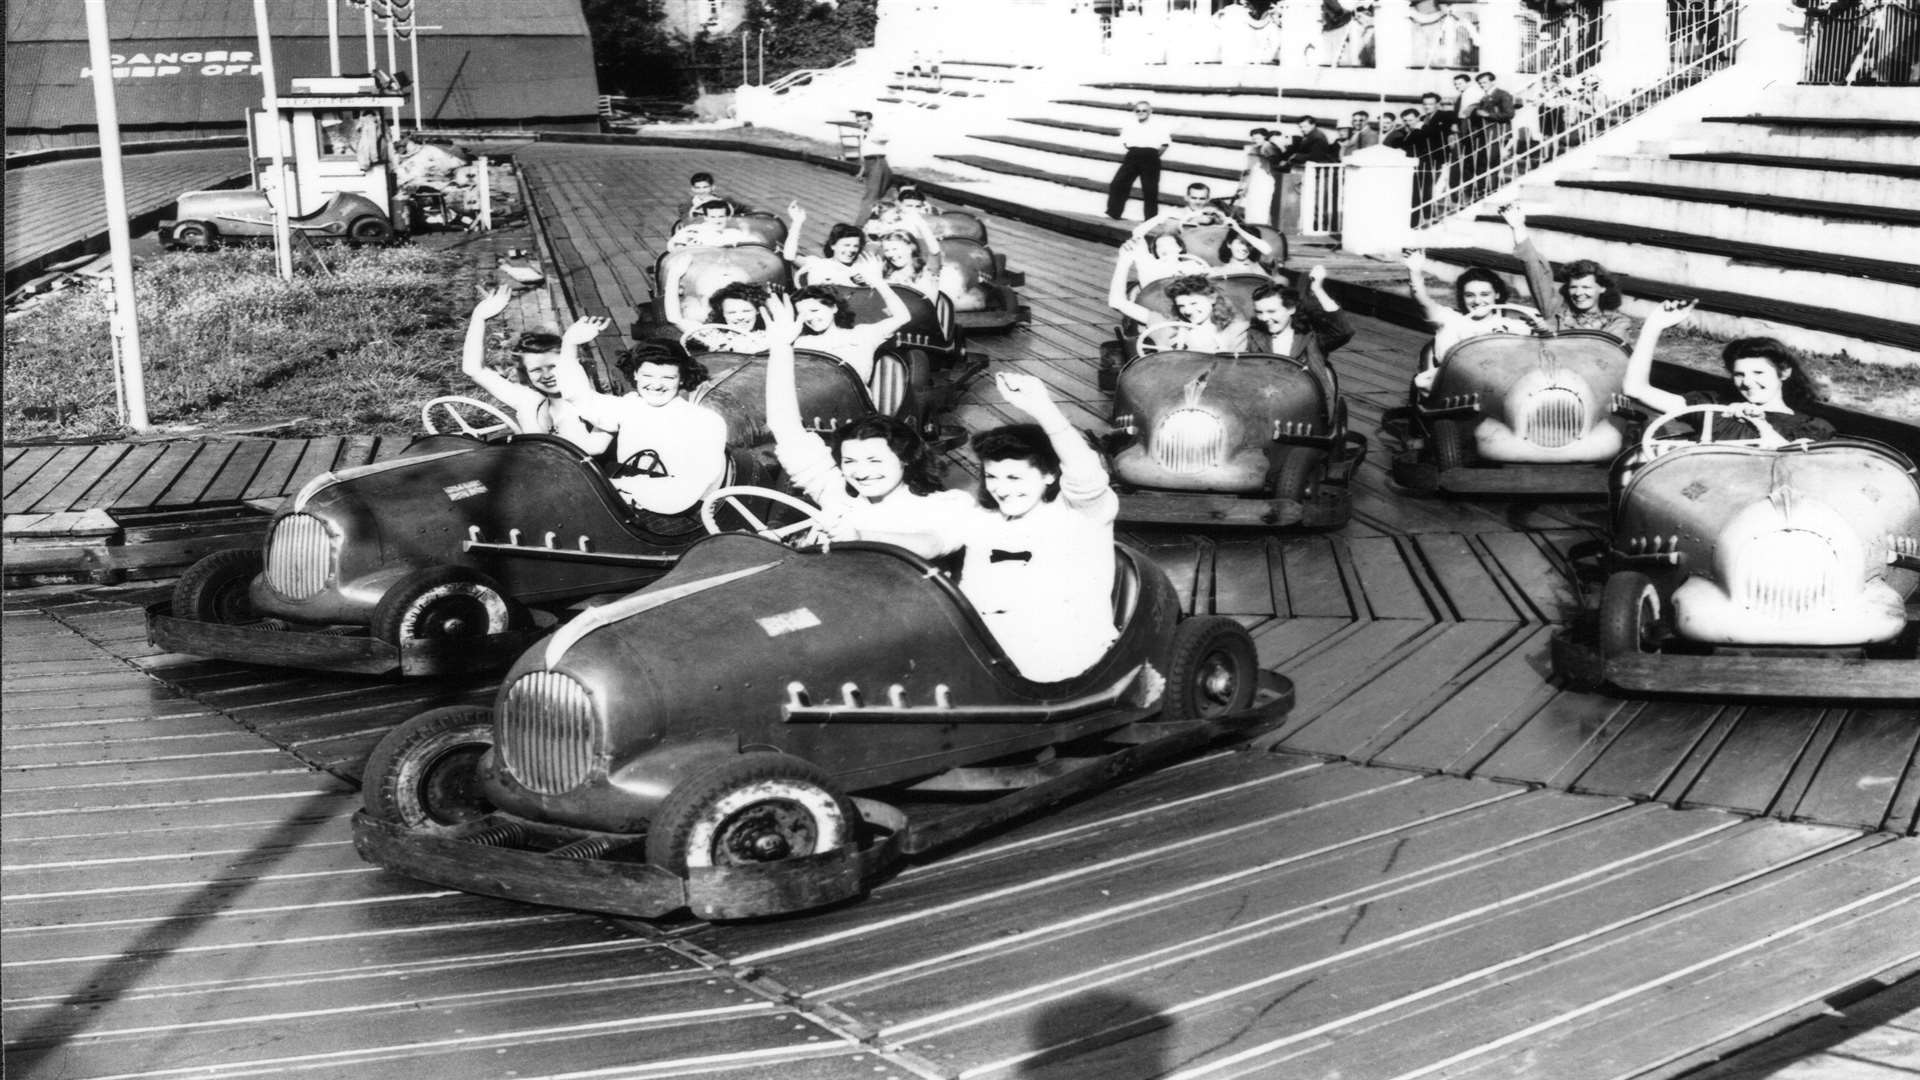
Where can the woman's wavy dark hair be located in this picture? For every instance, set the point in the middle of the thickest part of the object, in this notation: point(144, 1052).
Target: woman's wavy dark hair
point(536, 341)
point(752, 292)
point(1796, 389)
point(1018, 442)
point(692, 372)
point(1179, 240)
point(843, 316)
point(1478, 273)
point(1609, 288)
point(1225, 254)
point(919, 470)
point(839, 232)
point(1197, 285)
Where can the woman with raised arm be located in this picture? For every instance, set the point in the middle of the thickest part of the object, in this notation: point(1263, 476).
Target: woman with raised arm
point(1588, 300)
point(537, 405)
point(1208, 321)
point(913, 257)
point(1770, 390)
point(1243, 252)
point(875, 479)
point(827, 321)
point(1040, 561)
point(835, 265)
point(1479, 292)
point(1307, 331)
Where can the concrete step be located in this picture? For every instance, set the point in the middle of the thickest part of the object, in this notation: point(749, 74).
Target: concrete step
point(1205, 158)
point(1864, 102)
point(1762, 221)
point(1096, 167)
point(1892, 145)
point(1860, 188)
point(1078, 191)
point(1687, 272)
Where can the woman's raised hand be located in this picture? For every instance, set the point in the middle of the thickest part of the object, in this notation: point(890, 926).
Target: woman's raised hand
point(869, 269)
point(783, 324)
point(1670, 313)
point(1317, 275)
point(1025, 392)
point(1416, 262)
point(493, 303)
point(795, 211)
point(585, 329)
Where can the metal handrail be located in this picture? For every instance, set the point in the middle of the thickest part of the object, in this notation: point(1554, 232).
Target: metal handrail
point(1499, 165)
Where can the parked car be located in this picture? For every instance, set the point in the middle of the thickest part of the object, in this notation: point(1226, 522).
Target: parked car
point(700, 743)
point(203, 219)
point(1736, 570)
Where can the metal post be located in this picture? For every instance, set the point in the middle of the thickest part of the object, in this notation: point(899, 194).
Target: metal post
point(126, 326)
point(392, 65)
point(743, 55)
point(485, 224)
point(371, 62)
point(333, 35)
point(763, 59)
point(282, 228)
point(413, 49)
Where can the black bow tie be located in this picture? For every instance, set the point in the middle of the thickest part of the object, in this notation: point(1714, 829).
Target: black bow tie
point(1010, 556)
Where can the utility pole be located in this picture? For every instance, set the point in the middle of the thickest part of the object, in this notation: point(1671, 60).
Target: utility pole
point(126, 325)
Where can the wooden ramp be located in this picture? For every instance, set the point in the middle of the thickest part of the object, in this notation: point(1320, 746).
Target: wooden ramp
point(153, 507)
point(1441, 865)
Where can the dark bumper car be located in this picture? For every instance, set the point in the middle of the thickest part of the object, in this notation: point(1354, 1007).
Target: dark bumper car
point(700, 743)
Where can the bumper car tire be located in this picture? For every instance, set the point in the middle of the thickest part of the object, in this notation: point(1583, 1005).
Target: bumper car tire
point(1630, 612)
point(750, 810)
point(1213, 672)
point(441, 603)
point(214, 590)
point(1453, 444)
point(424, 773)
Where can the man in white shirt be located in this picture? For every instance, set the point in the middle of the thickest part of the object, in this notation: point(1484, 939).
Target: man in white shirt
point(874, 169)
point(1145, 139)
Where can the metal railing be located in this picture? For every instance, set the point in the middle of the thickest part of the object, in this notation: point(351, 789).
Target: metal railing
point(1566, 46)
point(1321, 198)
point(1849, 43)
point(1561, 114)
point(802, 77)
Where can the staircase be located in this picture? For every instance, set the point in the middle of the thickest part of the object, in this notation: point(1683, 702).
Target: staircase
point(1796, 216)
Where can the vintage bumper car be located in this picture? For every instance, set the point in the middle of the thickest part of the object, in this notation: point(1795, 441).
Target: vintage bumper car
point(435, 561)
point(701, 272)
point(1231, 439)
point(904, 386)
point(766, 730)
point(205, 218)
point(975, 276)
point(1516, 414)
point(1741, 571)
point(1130, 341)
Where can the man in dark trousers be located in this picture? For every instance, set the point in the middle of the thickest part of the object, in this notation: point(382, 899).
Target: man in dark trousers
point(1310, 145)
point(1486, 124)
point(1144, 139)
point(874, 170)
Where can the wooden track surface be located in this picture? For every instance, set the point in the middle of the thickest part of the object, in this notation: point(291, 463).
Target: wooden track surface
point(1542, 884)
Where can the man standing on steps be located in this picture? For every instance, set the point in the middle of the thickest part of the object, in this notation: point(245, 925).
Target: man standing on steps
point(874, 169)
point(1144, 140)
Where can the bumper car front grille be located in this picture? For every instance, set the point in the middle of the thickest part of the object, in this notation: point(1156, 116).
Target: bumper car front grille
point(1189, 441)
point(299, 557)
point(547, 733)
point(1554, 417)
point(1794, 573)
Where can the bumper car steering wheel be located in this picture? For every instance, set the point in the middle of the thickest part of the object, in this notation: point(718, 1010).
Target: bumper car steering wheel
point(731, 496)
point(449, 407)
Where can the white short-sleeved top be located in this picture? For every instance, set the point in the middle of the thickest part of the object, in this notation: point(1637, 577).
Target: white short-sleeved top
point(539, 414)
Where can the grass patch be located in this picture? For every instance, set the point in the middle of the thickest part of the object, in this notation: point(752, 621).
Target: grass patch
point(227, 344)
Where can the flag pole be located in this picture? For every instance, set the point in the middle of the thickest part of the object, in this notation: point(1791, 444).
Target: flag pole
point(126, 324)
point(283, 189)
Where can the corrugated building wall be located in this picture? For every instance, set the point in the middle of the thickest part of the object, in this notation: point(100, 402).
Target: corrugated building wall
point(188, 67)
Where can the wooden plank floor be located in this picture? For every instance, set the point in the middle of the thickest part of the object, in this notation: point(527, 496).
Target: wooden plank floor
point(1542, 883)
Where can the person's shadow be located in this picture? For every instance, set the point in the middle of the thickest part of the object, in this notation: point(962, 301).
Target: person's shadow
point(1102, 1033)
